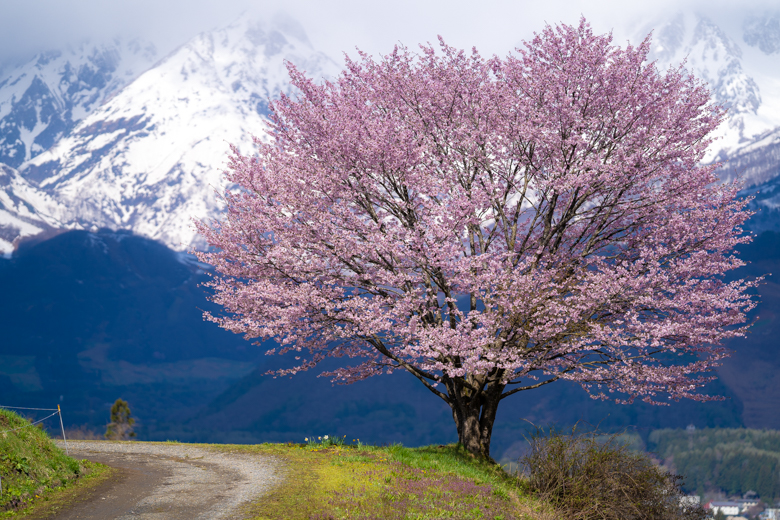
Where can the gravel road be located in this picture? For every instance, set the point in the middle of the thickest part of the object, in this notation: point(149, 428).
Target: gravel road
point(171, 481)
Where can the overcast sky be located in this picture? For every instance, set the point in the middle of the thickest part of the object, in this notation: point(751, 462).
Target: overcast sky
point(333, 26)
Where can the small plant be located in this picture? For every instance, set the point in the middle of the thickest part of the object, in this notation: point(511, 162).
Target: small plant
point(326, 440)
point(18, 464)
point(590, 477)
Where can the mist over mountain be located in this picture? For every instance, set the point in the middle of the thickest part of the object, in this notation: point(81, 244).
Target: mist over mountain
point(741, 76)
point(763, 31)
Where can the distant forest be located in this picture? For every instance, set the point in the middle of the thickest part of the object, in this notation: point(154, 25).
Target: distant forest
point(732, 460)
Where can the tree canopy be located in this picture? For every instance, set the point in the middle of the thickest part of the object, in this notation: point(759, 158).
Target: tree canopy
point(489, 225)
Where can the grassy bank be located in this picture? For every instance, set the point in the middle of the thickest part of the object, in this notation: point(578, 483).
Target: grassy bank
point(580, 477)
point(33, 470)
point(328, 480)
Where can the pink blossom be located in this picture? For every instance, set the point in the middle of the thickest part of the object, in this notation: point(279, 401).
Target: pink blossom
point(557, 193)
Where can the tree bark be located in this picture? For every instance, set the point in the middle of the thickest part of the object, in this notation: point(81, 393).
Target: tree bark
point(474, 413)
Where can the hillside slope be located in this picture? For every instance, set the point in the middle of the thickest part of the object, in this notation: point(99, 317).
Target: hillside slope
point(42, 100)
point(150, 159)
point(90, 317)
point(30, 463)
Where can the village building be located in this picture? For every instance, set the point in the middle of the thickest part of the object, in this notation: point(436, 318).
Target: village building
point(728, 508)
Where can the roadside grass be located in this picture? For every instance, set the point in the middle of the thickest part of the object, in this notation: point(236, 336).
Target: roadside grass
point(568, 476)
point(34, 470)
point(54, 500)
point(330, 480)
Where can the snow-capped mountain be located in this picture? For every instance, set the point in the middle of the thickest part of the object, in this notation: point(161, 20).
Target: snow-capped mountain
point(150, 158)
point(25, 210)
point(741, 74)
point(712, 56)
point(43, 99)
point(758, 161)
point(763, 31)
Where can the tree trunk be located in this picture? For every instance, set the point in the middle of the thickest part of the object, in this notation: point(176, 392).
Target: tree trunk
point(474, 414)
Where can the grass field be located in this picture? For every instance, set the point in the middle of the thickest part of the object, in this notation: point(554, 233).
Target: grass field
point(327, 480)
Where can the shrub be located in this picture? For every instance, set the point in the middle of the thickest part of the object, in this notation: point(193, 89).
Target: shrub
point(588, 476)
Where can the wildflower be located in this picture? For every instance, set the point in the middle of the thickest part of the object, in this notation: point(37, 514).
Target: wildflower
point(320, 438)
point(326, 437)
point(306, 439)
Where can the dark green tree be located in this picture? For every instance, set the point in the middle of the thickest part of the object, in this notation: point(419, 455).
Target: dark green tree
point(121, 426)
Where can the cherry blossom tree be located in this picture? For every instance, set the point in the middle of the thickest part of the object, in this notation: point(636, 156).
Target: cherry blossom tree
point(490, 226)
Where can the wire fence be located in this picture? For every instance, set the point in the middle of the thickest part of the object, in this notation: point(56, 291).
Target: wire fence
point(57, 411)
point(23, 408)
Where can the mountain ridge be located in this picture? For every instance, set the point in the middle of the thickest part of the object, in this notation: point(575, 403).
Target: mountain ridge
point(149, 158)
point(44, 99)
point(25, 211)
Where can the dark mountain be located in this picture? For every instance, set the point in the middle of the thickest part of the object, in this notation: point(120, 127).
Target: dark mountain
point(89, 317)
point(753, 371)
point(86, 318)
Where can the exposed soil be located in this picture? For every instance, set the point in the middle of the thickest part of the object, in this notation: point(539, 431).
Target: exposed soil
point(169, 482)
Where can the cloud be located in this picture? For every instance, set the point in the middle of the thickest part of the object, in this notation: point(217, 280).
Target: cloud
point(333, 26)
point(28, 27)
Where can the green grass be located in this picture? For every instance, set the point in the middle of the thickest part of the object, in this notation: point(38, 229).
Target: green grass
point(333, 481)
point(32, 467)
point(322, 479)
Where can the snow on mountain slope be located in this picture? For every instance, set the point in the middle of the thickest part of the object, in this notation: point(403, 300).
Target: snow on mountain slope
point(150, 158)
point(758, 161)
point(741, 77)
point(24, 210)
point(43, 99)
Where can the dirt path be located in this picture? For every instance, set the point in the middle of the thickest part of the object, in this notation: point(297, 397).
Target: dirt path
point(171, 482)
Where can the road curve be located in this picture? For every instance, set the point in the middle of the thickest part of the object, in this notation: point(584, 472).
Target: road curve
point(158, 481)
